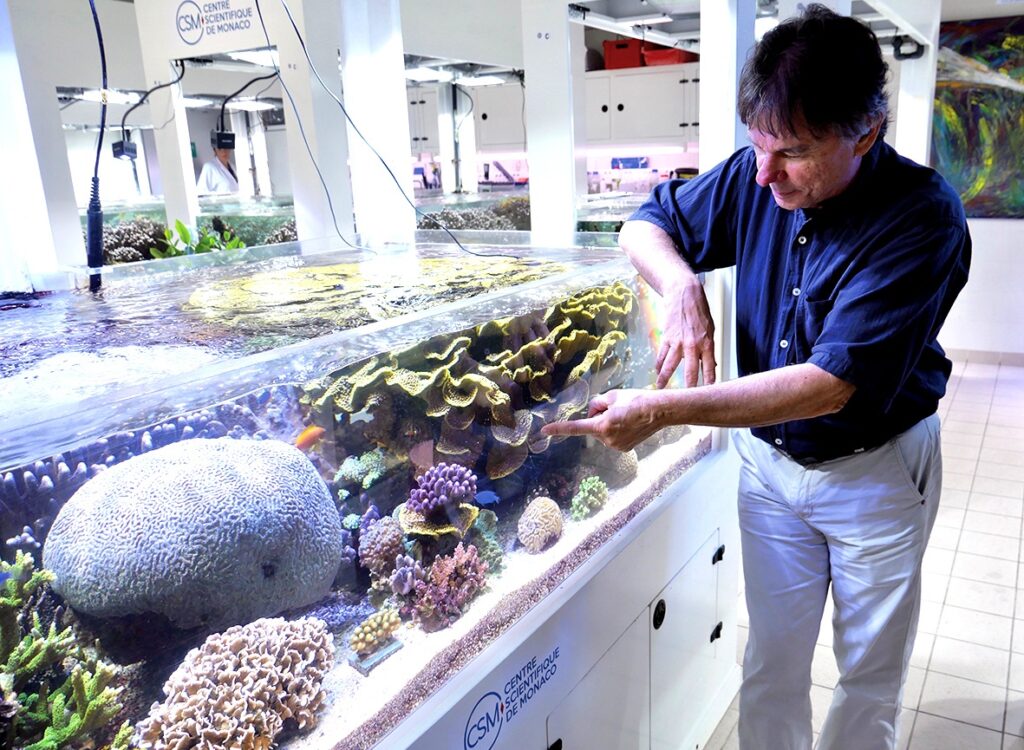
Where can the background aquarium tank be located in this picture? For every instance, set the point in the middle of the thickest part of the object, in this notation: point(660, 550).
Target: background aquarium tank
point(279, 499)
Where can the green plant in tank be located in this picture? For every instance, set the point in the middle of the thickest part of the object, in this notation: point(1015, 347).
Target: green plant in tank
point(32, 714)
point(589, 498)
point(180, 241)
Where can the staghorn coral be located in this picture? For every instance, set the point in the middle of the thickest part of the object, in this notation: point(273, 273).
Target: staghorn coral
point(379, 544)
point(589, 498)
point(204, 532)
point(451, 582)
point(375, 631)
point(442, 488)
point(540, 524)
point(237, 689)
point(83, 704)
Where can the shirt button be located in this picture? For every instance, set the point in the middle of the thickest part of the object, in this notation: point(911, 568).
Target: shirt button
point(778, 441)
point(783, 344)
point(796, 291)
point(801, 240)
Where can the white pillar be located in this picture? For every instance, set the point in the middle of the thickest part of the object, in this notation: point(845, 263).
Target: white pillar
point(550, 128)
point(726, 38)
point(42, 200)
point(373, 73)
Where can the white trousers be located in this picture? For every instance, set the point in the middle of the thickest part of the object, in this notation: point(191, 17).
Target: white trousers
point(860, 523)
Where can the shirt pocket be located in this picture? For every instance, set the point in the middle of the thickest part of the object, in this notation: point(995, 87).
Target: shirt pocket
point(811, 322)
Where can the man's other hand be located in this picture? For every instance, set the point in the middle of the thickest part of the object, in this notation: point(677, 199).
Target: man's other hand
point(619, 419)
point(688, 336)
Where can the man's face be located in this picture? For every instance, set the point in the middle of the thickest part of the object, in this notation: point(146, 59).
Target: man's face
point(803, 170)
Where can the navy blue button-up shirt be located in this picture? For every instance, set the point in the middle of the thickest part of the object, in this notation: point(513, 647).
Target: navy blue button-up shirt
point(859, 286)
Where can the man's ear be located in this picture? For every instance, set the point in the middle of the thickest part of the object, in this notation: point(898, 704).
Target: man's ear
point(866, 141)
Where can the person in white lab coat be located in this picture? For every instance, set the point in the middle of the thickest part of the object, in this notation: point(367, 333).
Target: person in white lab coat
point(218, 176)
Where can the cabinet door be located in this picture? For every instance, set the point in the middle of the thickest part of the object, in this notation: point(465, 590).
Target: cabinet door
point(499, 115)
point(610, 707)
point(647, 105)
point(598, 119)
point(428, 133)
point(683, 649)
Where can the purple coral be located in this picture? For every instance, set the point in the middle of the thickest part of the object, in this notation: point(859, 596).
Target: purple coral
point(450, 584)
point(407, 572)
point(442, 486)
point(380, 544)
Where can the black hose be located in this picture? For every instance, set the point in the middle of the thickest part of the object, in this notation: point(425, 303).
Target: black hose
point(145, 96)
point(94, 213)
point(229, 97)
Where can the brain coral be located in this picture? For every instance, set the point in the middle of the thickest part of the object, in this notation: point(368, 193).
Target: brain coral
point(204, 532)
point(540, 523)
point(237, 689)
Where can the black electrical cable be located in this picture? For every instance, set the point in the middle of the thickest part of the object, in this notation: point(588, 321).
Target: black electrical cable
point(472, 104)
point(229, 97)
point(94, 213)
point(309, 149)
point(302, 43)
point(145, 96)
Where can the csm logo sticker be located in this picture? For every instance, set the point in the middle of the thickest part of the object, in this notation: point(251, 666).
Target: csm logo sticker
point(484, 723)
point(189, 21)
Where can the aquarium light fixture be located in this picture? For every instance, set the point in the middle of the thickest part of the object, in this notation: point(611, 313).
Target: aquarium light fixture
point(250, 105)
point(480, 81)
point(647, 20)
point(110, 96)
point(428, 75)
point(196, 101)
point(267, 58)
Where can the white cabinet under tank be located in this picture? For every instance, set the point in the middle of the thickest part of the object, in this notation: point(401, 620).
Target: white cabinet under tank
point(633, 105)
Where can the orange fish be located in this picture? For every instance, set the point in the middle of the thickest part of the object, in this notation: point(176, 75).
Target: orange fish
point(309, 437)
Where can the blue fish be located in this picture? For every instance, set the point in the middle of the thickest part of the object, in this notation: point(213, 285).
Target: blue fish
point(4, 575)
point(487, 497)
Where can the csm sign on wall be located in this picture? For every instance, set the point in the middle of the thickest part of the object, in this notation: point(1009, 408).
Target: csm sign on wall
point(202, 27)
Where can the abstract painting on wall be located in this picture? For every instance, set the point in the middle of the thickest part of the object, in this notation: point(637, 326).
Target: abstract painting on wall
point(978, 126)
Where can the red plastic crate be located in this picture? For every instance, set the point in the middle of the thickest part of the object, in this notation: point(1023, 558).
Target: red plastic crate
point(622, 53)
point(658, 55)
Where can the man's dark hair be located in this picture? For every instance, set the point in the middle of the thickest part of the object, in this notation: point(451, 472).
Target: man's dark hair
point(824, 66)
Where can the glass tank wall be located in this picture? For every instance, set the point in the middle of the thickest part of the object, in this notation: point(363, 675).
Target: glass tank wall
point(280, 501)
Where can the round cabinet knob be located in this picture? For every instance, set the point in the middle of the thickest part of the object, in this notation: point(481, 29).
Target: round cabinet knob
point(620, 107)
point(483, 116)
point(659, 613)
point(604, 107)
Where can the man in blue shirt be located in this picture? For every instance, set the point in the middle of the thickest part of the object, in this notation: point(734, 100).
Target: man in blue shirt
point(848, 258)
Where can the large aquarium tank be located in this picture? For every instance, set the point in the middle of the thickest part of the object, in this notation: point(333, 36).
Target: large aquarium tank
point(280, 497)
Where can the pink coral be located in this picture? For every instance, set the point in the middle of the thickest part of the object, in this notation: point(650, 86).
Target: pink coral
point(450, 584)
point(380, 544)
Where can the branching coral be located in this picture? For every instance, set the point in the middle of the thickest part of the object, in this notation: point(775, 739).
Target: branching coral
point(407, 572)
point(364, 470)
point(239, 687)
point(375, 631)
point(442, 487)
point(46, 718)
point(589, 498)
point(451, 583)
point(379, 545)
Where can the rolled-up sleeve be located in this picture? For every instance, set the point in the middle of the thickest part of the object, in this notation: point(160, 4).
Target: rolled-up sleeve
point(700, 214)
point(886, 313)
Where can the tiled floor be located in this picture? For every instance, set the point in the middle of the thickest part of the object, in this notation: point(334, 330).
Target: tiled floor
point(965, 690)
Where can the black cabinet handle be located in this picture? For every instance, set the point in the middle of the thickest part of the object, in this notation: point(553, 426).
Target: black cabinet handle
point(720, 552)
point(483, 116)
point(556, 745)
point(682, 124)
point(716, 633)
point(604, 107)
point(415, 138)
point(659, 614)
point(684, 80)
point(696, 80)
point(620, 107)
